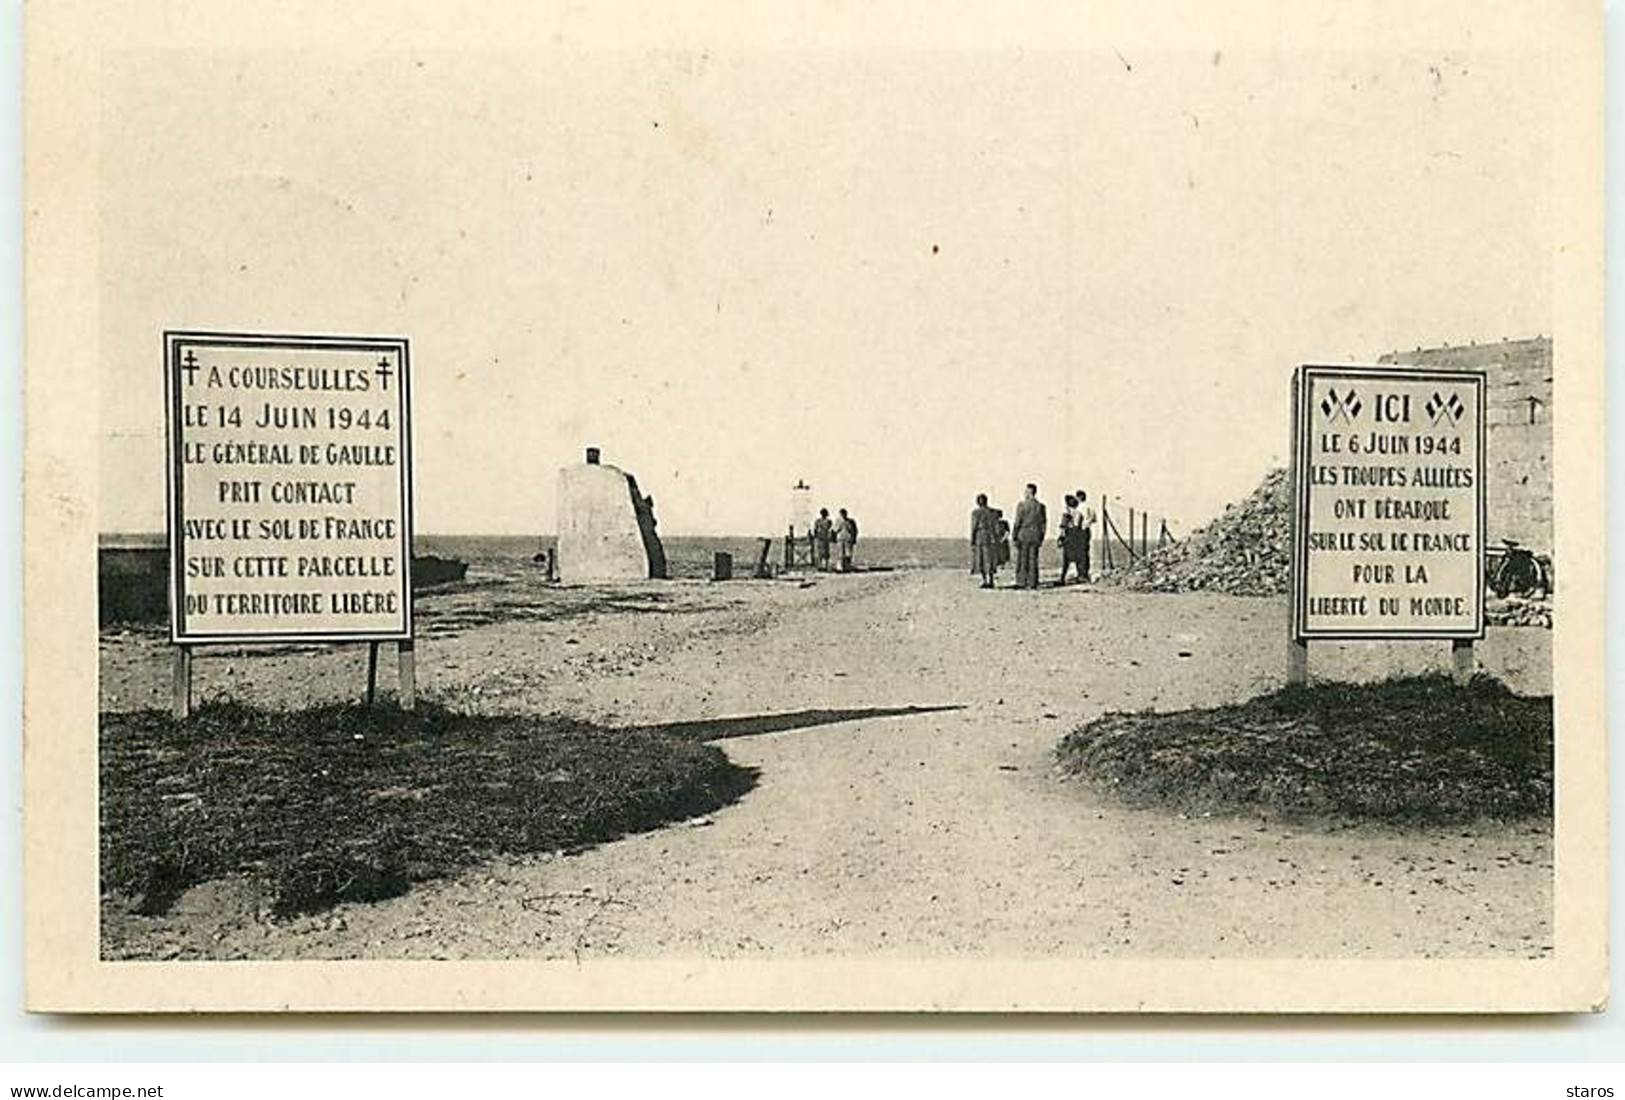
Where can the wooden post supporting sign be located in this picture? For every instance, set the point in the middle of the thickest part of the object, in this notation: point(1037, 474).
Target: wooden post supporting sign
point(1463, 660)
point(1297, 661)
point(181, 682)
point(372, 673)
point(408, 674)
point(1297, 647)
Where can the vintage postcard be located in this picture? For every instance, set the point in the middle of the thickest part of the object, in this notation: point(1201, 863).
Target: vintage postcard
point(815, 507)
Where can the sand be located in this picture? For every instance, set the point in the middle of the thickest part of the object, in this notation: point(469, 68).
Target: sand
point(941, 832)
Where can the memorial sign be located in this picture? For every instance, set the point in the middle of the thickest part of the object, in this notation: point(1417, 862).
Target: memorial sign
point(1388, 469)
point(290, 503)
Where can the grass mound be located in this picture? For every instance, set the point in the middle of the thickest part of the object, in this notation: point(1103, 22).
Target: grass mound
point(343, 803)
point(1411, 751)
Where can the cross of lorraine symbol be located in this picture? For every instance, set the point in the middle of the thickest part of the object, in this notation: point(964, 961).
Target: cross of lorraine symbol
point(1439, 407)
point(1346, 406)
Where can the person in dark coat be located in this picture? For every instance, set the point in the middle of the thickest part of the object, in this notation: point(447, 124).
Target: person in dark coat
point(823, 532)
point(1073, 546)
point(1028, 533)
point(984, 539)
point(846, 539)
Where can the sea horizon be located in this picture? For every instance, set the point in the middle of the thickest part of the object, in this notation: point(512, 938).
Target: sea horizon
point(159, 537)
point(686, 555)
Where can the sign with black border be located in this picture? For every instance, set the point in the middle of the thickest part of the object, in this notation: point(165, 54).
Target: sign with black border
point(289, 487)
point(1407, 425)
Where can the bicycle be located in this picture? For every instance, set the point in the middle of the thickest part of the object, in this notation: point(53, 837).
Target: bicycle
point(1516, 570)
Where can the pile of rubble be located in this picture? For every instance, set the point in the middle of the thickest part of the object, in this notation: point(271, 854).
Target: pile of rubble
point(1518, 611)
point(1244, 552)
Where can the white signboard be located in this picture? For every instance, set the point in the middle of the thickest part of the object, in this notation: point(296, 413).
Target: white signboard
point(290, 513)
point(802, 512)
point(1389, 525)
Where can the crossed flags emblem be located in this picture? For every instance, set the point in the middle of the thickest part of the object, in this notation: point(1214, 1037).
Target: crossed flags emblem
point(1439, 407)
point(1344, 406)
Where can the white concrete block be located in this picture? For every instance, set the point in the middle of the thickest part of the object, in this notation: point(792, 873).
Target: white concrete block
point(600, 537)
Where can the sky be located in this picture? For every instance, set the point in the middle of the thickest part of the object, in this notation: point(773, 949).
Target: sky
point(904, 277)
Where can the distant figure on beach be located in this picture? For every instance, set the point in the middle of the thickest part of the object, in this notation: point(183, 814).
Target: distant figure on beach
point(846, 538)
point(1004, 537)
point(1086, 532)
point(984, 539)
point(1070, 543)
point(1028, 532)
point(822, 533)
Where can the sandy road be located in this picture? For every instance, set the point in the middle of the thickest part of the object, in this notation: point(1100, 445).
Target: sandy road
point(927, 833)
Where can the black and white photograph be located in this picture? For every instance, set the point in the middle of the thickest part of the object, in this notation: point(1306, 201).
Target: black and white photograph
point(951, 517)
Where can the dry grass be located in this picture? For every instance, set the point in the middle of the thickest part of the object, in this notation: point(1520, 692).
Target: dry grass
point(342, 803)
point(1411, 751)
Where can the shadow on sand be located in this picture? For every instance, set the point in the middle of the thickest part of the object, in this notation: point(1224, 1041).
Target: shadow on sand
point(447, 618)
point(716, 729)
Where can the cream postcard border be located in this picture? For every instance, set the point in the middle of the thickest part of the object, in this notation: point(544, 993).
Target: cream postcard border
point(64, 42)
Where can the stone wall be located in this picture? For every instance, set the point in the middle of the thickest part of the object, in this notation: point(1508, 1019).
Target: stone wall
point(1518, 406)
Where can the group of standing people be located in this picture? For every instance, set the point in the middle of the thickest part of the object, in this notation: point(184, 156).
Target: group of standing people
point(842, 533)
point(991, 536)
